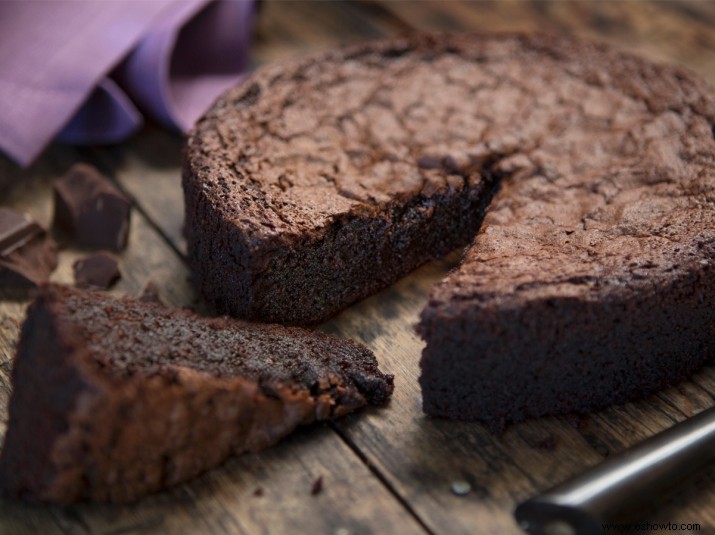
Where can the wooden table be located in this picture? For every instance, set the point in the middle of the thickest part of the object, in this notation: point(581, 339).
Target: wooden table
point(384, 471)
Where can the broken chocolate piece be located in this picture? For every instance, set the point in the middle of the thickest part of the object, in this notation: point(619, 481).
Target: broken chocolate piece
point(99, 270)
point(27, 254)
point(90, 210)
point(16, 230)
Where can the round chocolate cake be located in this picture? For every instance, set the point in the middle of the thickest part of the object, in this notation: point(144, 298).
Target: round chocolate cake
point(589, 280)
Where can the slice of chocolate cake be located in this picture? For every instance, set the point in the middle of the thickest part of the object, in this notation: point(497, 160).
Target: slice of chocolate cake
point(113, 399)
point(590, 280)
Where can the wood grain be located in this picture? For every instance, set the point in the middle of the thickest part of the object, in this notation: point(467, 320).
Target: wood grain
point(292, 28)
point(679, 32)
point(422, 457)
point(147, 168)
point(384, 471)
point(268, 492)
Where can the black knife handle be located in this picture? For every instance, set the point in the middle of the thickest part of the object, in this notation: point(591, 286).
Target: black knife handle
point(626, 482)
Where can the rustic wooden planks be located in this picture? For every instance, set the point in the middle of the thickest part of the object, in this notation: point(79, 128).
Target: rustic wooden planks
point(385, 471)
point(422, 457)
point(289, 28)
point(268, 492)
point(680, 32)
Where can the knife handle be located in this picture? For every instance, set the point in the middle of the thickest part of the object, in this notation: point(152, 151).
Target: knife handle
point(624, 483)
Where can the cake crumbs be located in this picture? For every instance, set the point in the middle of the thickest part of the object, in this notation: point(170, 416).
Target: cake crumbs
point(317, 487)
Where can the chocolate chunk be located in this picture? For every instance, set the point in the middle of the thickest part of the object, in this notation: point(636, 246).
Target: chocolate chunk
point(96, 271)
point(16, 230)
point(27, 254)
point(90, 210)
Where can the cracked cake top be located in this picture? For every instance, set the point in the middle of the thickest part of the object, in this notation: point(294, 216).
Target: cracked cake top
point(605, 160)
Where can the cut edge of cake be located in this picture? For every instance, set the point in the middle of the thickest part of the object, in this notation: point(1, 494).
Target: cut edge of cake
point(78, 433)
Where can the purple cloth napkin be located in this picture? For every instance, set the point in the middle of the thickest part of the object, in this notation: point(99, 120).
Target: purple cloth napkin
point(84, 71)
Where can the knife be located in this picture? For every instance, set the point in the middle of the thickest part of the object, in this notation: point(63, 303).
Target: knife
point(623, 485)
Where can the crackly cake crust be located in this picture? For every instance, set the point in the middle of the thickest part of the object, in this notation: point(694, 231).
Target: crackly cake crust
point(113, 399)
point(590, 281)
point(313, 184)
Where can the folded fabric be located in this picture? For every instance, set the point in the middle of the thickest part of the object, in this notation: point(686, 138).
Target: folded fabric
point(84, 71)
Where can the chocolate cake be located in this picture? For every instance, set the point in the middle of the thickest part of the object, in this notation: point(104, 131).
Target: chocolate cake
point(113, 399)
point(589, 281)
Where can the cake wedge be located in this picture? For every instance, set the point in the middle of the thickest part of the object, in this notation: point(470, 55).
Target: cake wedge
point(117, 398)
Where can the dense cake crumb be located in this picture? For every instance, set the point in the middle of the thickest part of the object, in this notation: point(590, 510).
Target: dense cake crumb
point(113, 399)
